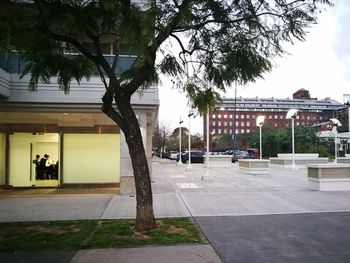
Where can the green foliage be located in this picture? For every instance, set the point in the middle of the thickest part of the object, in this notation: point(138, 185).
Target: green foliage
point(66, 68)
point(170, 66)
point(202, 99)
point(221, 142)
point(250, 140)
point(221, 42)
point(173, 143)
point(280, 141)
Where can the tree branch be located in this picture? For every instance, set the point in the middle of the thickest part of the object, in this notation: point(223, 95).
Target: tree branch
point(103, 79)
point(113, 114)
point(115, 58)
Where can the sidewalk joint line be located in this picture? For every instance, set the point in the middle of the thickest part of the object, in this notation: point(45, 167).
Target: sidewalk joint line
point(104, 208)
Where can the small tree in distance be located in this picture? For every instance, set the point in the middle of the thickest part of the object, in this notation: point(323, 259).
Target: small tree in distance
point(174, 139)
point(164, 137)
point(221, 43)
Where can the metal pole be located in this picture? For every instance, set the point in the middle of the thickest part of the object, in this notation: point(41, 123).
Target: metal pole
point(180, 162)
point(234, 127)
point(347, 103)
point(189, 167)
point(349, 119)
point(335, 147)
point(293, 163)
point(207, 172)
point(180, 138)
point(348, 126)
point(260, 143)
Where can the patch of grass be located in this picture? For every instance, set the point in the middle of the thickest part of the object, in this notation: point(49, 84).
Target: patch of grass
point(44, 235)
point(72, 235)
point(175, 230)
point(121, 233)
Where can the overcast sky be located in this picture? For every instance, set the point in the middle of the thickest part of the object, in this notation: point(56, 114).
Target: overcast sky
point(321, 65)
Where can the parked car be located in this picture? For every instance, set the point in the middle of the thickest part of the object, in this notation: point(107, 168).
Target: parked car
point(173, 155)
point(196, 157)
point(254, 152)
point(241, 155)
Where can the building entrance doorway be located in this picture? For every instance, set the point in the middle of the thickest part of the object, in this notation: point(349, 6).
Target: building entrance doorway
point(34, 160)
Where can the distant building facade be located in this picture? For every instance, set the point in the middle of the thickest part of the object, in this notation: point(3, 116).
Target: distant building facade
point(239, 116)
point(343, 116)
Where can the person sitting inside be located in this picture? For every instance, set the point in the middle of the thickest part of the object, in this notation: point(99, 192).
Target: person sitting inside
point(37, 167)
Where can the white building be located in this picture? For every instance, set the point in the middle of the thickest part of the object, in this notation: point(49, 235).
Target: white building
point(89, 147)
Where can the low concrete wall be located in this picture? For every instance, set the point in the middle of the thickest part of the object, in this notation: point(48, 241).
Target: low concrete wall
point(343, 160)
point(299, 159)
point(329, 177)
point(280, 161)
point(298, 156)
point(218, 160)
point(254, 166)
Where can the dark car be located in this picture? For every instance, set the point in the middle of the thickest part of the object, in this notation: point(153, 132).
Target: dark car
point(196, 157)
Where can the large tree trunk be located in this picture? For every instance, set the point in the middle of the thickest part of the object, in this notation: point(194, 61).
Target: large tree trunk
point(131, 128)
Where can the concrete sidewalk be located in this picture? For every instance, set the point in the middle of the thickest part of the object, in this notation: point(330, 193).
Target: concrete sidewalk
point(181, 193)
point(161, 254)
point(178, 193)
point(173, 254)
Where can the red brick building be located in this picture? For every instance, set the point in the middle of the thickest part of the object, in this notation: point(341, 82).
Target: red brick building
point(239, 116)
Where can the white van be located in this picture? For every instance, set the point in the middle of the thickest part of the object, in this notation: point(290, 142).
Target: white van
point(173, 155)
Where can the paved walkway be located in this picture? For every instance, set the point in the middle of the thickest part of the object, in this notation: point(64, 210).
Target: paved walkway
point(182, 193)
point(292, 238)
point(177, 192)
point(148, 254)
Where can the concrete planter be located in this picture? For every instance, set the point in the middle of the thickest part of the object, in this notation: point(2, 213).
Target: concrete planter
point(329, 177)
point(254, 166)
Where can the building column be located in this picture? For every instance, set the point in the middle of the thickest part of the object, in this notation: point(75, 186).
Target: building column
point(148, 145)
point(127, 182)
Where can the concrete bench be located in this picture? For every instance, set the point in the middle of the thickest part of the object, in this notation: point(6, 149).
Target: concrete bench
point(329, 177)
point(254, 166)
point(343, 160)
point(299, 156)
point(218, 160)
point(299, 159)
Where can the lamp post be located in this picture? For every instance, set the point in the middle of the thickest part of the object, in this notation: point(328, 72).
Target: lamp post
point(335, 123)
point(347, 103)
point(180, 162)
point(234, 137)
point(292, 114)
point(189, 167)
point(260, 122)
point(207, 131)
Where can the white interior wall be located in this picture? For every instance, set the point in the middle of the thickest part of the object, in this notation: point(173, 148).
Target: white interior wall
point(2, 157)
point(91, 158)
